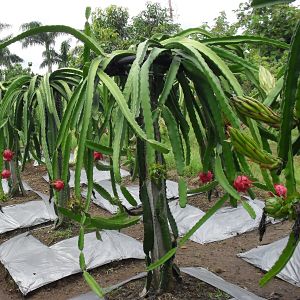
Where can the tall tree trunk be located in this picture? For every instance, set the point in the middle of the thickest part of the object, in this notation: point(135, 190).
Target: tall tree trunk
point(49, 63)
point(171, 9)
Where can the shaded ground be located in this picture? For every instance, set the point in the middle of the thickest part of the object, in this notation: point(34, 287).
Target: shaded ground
point(189, 288)
point(218, 257)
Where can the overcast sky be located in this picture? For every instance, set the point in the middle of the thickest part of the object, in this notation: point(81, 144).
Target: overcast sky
point(189, 13)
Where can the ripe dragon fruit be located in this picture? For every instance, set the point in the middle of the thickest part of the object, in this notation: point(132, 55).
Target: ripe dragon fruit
point(5, 174)
point(58, 184)
point(280, 190)
point(242, 183)
point(98, 155)
point(8, 155)
point(206, 177)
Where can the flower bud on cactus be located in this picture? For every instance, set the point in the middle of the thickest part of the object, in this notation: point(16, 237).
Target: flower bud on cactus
point(242, 183)
point(58, 184)
point(8, 155)
point(98, 155)
point(206, 177)
point(280, 190)
point(5, 174)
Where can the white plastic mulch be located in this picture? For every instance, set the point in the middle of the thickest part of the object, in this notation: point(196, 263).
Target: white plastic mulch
point(33, 264)
point(225, 223)
point(26, 215)
point(172, 193)
point(6, 187)
point(265, 256)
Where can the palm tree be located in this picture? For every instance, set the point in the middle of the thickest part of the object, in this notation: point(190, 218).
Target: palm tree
point(49, 58)
point(4, 26)
point(63, 55)
point(61, 58)
point(6, 57)
point(46, 39)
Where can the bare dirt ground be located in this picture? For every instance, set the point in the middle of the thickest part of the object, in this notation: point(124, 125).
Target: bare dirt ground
point(219, 257)
point(189, 288)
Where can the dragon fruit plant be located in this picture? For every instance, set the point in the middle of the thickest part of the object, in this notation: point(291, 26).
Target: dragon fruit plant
point(137, 94)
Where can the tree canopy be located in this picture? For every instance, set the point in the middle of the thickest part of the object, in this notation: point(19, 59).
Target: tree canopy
point(7, 59)
point(277, 22)
point(114, 29)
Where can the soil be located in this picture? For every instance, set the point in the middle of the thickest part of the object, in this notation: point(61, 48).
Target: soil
point(218, 257)
point(30, 196)
point(189, 288)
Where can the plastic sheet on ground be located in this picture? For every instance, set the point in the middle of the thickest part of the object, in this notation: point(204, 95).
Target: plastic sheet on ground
point(98, 176)
point(220, 283)
point(265, 256)
point(26, 215)
point(225, 223)
point(172, 193)
point(6, 187)
point(33, 264)
point(36, 163)
point(199, 273)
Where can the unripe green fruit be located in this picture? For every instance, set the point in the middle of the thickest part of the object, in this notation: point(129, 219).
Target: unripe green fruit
point(273, 206)
point(282, 213)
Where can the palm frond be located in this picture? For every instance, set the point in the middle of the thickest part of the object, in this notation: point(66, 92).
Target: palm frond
point(43, 38)
point(4, 26)
point(7, 58)
point(30, 25)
